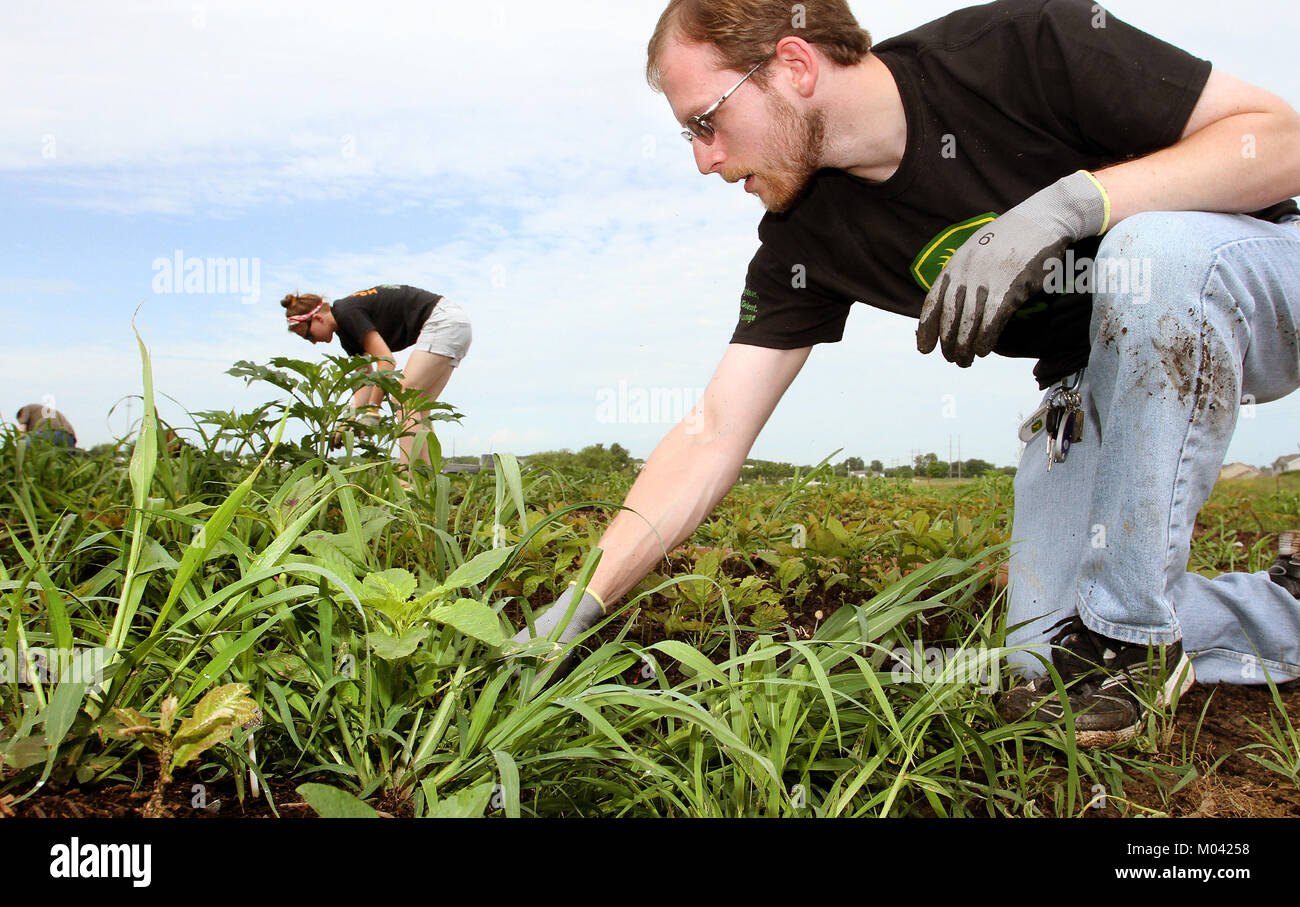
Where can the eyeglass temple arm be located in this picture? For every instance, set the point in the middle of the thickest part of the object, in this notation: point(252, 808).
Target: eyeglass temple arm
point(733, 88)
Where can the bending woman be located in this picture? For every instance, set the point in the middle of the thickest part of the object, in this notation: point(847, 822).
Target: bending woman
point(381, 320)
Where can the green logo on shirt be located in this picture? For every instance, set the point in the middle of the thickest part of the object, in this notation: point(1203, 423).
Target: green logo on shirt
point(935, 255)
point(748, 306)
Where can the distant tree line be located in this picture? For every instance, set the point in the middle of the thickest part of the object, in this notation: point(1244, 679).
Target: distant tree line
point(614, 458)
point(930, 466)
point(925, 466)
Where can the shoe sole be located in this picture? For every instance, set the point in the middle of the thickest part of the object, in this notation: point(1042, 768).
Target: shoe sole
point(1181, 679)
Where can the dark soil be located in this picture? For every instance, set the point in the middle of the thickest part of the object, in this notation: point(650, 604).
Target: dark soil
point(122, 799)
point(1238, 787)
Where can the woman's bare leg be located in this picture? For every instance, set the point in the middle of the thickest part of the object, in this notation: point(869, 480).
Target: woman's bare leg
point(430, 373)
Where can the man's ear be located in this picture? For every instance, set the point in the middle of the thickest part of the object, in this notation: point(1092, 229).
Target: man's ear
point(800, 64)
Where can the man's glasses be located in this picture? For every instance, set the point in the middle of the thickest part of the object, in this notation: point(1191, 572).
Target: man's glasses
point(700, 127)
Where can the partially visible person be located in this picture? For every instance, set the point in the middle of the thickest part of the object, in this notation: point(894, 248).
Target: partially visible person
point(379, 321)
point(40, 422)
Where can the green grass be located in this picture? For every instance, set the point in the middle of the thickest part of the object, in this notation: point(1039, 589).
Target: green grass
point(370, 625)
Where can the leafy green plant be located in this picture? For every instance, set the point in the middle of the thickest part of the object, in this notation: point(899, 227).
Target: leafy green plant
point(320, 394)
point(215, 718)
point(368, 620)
point(1279, 750)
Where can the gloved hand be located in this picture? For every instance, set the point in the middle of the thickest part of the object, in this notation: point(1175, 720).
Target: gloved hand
point(358, 420)
point(365, 416)
point(1002, 265)
point(586, 615)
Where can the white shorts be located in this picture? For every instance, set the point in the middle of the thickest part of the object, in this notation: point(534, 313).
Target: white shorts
point(446, 333)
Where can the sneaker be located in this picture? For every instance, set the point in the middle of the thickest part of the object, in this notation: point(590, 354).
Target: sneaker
point(1109, 685)
point(1286, 573)
point(1286, 569)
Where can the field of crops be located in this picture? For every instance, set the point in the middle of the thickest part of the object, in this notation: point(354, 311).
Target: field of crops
point(232, 625)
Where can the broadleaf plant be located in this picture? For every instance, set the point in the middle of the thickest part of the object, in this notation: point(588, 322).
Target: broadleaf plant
point(215, 718)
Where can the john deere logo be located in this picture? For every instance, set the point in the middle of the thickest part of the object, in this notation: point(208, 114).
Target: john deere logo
point(933, 258)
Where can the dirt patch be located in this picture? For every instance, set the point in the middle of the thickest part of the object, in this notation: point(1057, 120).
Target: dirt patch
point(1228, 783)
point(219, 799)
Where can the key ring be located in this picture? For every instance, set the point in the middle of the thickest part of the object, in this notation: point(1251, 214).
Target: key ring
point(1066, 405)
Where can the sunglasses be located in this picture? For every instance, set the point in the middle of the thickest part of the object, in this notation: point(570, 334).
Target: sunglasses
point(305, 321)
point(700, 127)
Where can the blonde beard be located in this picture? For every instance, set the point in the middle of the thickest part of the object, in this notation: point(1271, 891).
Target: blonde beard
point(801, 139)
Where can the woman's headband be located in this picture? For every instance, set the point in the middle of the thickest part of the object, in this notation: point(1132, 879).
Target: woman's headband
point(299, 319)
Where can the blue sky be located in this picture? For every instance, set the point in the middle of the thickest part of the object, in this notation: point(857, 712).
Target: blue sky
point(506, 154)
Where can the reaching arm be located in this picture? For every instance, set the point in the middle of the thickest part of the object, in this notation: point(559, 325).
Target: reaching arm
point(374, 345)
point(364, 396)
point(694, 466)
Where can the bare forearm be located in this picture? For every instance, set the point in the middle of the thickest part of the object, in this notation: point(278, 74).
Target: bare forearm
point(370, 395)
point(1239, 164)
point(682, 482)
point(692, 468)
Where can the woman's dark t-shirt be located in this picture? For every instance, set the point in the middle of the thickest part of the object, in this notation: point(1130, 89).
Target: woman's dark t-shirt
point(396, 312)
point(1001, 101)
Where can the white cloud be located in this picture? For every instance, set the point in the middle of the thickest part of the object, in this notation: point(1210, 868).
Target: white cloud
point(563, 211)
point(38, 286)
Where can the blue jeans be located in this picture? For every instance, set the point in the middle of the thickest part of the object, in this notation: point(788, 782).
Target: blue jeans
point(57, 438)
point(1107, 533)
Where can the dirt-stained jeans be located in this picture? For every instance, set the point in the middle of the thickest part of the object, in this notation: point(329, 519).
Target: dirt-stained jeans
point(1193, 315)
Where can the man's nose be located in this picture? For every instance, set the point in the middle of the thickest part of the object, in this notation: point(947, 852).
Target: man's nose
point(708, 158)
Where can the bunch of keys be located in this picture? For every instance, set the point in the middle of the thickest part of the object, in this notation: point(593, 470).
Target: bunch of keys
point(1062, 416)
point(1064, 425)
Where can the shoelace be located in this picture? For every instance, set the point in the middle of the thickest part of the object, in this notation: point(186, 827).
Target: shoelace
point(1079, 651)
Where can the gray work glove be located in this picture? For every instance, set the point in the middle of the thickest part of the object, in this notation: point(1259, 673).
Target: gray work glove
point(366, 415)
point(1002, 265)
point(586, 615)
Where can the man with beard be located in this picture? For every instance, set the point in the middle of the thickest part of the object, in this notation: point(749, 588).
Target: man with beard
point(948, 175)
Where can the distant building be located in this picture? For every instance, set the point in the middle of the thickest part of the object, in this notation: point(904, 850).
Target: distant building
point(1239, 471)
point(1289, 463)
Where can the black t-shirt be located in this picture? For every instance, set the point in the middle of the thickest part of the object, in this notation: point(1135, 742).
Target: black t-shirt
point(1001, 101)
point(396, 312)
